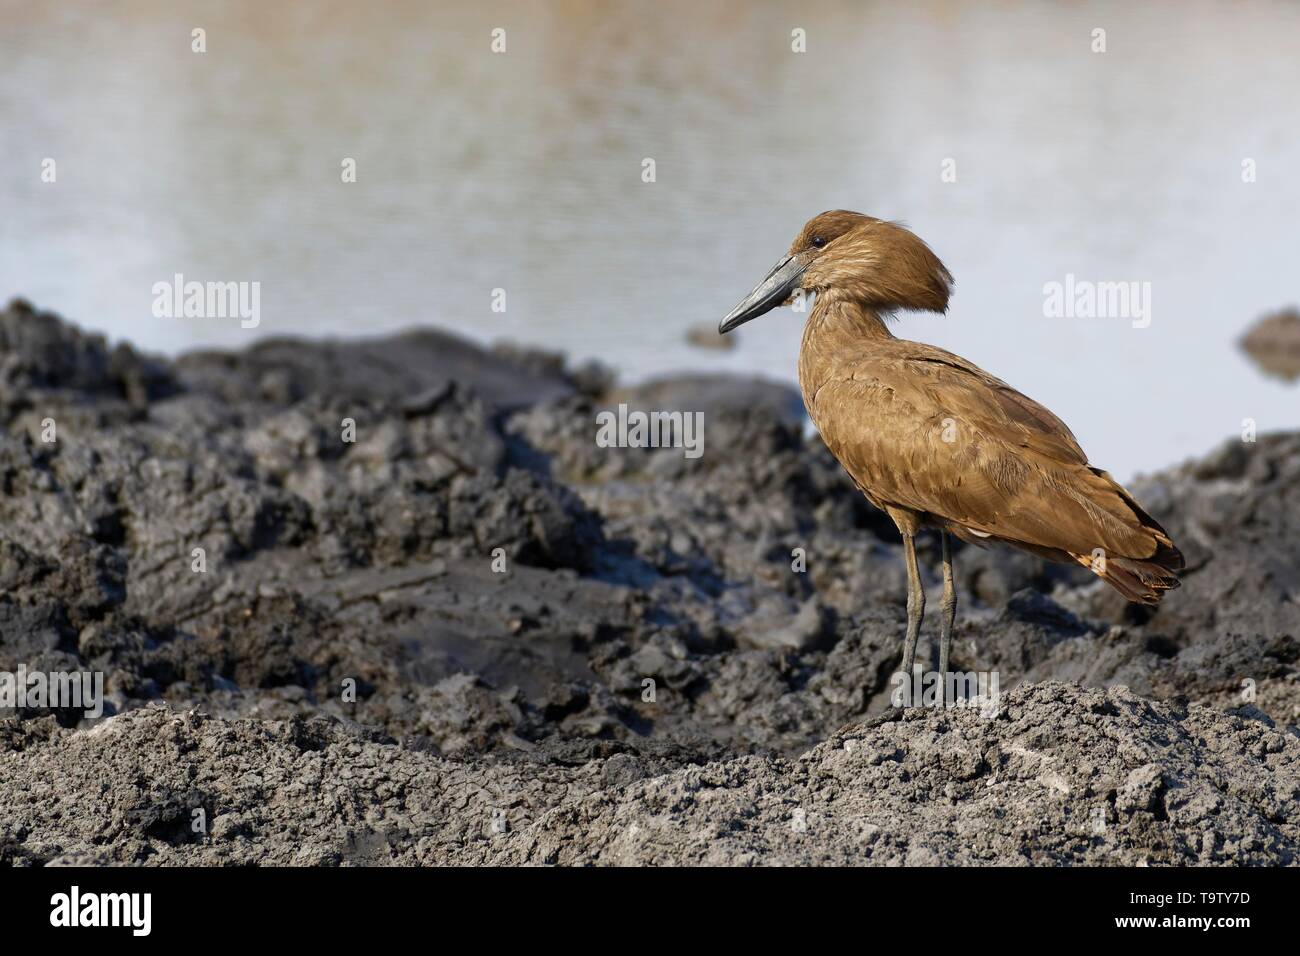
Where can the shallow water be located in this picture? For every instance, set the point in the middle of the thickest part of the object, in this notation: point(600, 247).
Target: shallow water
point(523, 171)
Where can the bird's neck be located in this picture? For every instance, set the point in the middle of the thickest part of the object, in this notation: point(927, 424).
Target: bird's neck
point(837, 320)
point(835, 325)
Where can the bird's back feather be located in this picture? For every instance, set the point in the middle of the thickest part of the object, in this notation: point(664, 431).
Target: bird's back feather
point(924, 430)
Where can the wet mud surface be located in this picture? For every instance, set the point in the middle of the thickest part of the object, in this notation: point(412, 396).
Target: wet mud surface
point(389, 601)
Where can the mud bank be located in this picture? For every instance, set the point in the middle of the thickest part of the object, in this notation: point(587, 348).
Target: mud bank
point(389, 601)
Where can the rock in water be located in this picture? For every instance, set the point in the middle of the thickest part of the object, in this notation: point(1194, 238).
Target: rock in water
point(1274, 344)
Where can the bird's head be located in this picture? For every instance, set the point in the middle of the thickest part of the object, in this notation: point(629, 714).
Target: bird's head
point(880, 265)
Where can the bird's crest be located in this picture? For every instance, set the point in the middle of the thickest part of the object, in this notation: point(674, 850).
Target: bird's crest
point(882, 265)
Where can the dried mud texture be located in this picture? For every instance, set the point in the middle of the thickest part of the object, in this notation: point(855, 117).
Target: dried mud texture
point(1063, 775)
point(499, 590)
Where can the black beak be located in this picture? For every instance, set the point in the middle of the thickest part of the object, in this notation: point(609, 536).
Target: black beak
point(767, 295)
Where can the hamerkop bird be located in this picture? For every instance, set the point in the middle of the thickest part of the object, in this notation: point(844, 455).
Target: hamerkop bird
point(935, 441)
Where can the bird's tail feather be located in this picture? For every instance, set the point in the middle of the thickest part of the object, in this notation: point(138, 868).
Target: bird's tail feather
point(1142, 582)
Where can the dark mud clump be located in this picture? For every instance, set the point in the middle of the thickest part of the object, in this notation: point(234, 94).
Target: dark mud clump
point(389, 601)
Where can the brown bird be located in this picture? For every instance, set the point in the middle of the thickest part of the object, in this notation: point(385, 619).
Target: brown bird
point(935, 441)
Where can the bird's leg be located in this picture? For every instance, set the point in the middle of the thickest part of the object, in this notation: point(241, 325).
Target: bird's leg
point(947, 613)
point(915, 607)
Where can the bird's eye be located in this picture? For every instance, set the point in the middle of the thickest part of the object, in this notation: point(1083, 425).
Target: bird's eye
point(818, 241)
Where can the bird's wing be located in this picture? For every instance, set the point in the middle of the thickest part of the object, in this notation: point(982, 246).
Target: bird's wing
point(926, 430)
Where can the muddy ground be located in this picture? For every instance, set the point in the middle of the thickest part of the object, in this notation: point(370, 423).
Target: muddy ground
point(427, 608)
